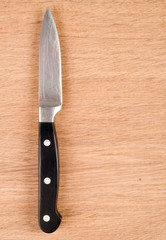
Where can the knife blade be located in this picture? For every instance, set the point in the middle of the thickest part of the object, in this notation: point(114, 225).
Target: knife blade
point(50, 102)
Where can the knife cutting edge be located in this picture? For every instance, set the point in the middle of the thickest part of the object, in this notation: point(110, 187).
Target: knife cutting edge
point(50, 102)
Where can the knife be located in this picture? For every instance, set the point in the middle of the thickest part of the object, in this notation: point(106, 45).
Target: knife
point(50, 103)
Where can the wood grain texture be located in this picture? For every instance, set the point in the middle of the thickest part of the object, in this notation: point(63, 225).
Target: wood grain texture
point(111, 130)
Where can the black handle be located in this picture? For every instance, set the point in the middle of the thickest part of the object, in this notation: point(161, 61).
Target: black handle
point(49, 218)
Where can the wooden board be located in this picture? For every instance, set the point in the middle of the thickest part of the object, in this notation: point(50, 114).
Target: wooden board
point(111, 130)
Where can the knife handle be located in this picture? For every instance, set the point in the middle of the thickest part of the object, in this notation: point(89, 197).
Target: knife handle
point(49, 218)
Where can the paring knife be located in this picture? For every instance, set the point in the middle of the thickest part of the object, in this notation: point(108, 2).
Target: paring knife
point(50, 102)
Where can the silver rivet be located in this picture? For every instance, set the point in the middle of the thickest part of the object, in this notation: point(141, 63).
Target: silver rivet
point(46, 218)
point(47, 180)
point(47, 142)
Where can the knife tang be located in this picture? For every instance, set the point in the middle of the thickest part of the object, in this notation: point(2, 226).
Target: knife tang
point(49, 218)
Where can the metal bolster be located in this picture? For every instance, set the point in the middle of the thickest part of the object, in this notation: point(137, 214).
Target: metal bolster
point(47, 114)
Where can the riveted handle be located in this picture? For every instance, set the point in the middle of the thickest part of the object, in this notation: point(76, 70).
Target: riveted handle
point(49, 218)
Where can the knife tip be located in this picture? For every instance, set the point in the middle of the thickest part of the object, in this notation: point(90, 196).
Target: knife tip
point(47, 12)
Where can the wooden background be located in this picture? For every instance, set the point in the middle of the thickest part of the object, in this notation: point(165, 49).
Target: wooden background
point(111, 130)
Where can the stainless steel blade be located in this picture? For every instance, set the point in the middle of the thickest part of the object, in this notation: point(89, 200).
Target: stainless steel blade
point(50, 82)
